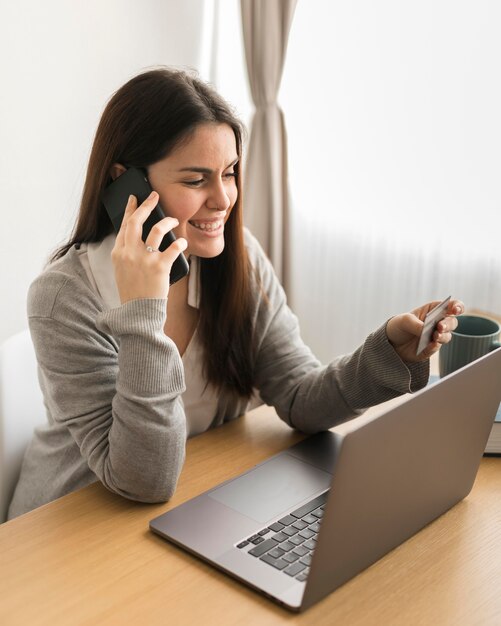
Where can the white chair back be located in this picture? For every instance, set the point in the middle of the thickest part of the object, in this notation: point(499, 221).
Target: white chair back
point(21, 409)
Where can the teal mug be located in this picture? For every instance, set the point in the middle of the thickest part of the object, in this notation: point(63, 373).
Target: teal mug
point(474, 337)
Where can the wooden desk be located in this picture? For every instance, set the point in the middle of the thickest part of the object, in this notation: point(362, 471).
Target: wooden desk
point(89, 557)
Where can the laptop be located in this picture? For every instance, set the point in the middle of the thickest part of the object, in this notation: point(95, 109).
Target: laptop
point(308, 519)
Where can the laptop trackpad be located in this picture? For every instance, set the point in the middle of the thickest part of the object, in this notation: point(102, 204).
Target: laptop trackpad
point(272, 488)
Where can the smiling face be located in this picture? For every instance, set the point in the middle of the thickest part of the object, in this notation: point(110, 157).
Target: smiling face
point(196, 184)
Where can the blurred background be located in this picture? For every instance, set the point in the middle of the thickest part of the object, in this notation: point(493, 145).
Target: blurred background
point(393, 126)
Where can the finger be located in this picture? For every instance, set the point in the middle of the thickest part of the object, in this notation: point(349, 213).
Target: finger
point(430, 350)
point(441, 338)
point(170, 254)
point(159, 230)
point(456, 307)
point(448, 324)
point(134, 229)
point(423, 311)
point(129, 210)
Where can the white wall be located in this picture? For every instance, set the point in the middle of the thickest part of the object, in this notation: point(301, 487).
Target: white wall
point(61, 61)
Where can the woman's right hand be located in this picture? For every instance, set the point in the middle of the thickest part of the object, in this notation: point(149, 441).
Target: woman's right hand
point(138, 272)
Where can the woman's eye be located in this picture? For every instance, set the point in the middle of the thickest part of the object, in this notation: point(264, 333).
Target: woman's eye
point(230, 175)
point(194, 183)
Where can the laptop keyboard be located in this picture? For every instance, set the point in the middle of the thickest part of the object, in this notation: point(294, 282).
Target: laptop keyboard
point(288, 544)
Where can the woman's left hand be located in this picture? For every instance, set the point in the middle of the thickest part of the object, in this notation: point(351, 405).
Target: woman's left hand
point(404, 330)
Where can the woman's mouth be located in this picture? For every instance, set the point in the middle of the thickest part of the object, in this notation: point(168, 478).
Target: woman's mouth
point(209, 227)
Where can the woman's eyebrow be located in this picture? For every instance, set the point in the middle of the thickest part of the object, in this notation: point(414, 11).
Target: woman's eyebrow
point(205, 170)
point(193, 168)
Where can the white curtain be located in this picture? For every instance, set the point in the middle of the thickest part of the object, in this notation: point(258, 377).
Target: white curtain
point(266, 25)
point(346, 283)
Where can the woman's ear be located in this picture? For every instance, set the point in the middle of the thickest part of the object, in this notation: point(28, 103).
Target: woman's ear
point(117, 170)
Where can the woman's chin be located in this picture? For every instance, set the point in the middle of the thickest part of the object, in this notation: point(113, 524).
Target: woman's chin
point(205, 243)
point(207, 249)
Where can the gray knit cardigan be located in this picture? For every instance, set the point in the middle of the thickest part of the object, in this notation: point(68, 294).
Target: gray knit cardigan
point(112, 384)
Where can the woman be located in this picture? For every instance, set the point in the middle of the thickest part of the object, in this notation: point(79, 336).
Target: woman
point(130, 367)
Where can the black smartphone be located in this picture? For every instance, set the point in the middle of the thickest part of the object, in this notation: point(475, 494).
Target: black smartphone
point(135, 182)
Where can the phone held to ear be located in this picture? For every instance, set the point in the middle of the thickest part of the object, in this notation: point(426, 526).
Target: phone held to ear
point(134, 182)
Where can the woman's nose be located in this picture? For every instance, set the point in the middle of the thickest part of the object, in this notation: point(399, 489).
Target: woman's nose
point(219, 198)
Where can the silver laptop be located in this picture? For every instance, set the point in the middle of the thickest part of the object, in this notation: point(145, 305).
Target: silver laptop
point(307, 520)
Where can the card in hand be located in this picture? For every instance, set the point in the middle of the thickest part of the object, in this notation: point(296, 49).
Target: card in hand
point(430, 321)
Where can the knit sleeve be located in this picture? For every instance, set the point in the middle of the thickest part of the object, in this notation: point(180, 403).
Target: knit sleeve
point(306, 394)
point(114, 380)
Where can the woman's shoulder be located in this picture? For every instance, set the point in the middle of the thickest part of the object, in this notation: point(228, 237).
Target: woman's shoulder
point(257, 256)
point(61, 287)
point(263, 272)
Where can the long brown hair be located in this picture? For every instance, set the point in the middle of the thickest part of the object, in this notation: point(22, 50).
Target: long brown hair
point(142, 123)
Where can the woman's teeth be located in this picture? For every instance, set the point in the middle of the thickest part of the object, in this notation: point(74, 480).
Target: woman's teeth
point(209, 226)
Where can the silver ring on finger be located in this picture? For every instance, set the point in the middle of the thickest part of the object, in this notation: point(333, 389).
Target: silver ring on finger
point(151, 249)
